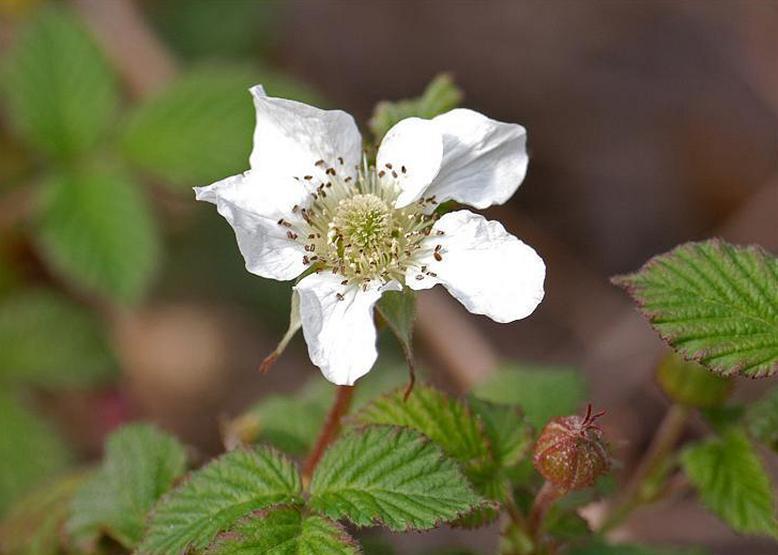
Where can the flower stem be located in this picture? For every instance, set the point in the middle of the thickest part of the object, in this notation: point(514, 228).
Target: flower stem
point(662, 446)
point(330, 430)
point(546, 497)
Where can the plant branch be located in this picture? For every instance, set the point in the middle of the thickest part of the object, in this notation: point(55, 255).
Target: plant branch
point(330, 430)
point(662, 446)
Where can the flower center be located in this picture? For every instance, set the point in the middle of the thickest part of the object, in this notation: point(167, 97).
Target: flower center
point(352, 228)
point(364, 223)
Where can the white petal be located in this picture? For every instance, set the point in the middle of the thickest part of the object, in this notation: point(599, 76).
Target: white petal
point(291, 137)
point(254, 194)
point(251, 212)
point(340, 334)
point(484, 161)
point(486, 268)
point(412, 151)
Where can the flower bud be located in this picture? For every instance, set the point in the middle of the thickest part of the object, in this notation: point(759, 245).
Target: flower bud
point(570, 452)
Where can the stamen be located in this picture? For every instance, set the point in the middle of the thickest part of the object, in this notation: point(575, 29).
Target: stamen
point(352, 225)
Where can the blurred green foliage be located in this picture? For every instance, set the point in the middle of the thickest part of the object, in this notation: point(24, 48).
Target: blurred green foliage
point(440, 96)
point(542, 392)
point(30, 450)
point(95, 229)
point(61, 94)
point(76, 352)
point(82, 163)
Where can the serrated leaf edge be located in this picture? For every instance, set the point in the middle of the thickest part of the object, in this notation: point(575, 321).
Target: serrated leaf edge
point(627, 283)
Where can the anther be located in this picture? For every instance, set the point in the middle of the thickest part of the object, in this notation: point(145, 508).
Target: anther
point(381, 173)
point(308, 177)
point(394, 174)
point(340, 159)
point(291, 235)
point(319, 163)
point(403, 169)
point(339, 296)
point(437, 256)
point(388, 165)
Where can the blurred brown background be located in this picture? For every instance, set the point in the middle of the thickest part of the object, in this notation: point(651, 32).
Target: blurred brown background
point(650, 123)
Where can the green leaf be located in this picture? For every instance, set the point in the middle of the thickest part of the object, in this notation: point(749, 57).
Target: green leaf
point(440, 96)
point(599, 548)
point(762, 419)
point(61, 95)
point(76, 352)
point(141, 463)
point(285, 531)
point(451, 425)
point(714, 303)
point(30, 451)
point(34, 524)
point(691, 384)
point(217, 496)
point(542, 392)
point(96, 231)
point(732, 483)
point(197, 130)
point(446, 421)
point(390, 476)
point(510, 437)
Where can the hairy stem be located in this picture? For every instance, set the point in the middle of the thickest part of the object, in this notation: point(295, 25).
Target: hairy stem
point(546, 497)
point(330, 429)
point(662, 446)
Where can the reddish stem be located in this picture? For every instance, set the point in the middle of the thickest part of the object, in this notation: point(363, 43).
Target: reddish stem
point(546, 497)
point(330, 430)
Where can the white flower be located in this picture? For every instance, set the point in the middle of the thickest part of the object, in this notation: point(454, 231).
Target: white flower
point(310, 204)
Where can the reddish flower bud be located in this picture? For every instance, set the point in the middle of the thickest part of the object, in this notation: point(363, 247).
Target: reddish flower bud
point(570, 452)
